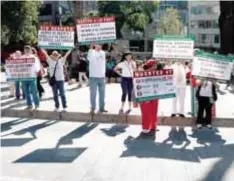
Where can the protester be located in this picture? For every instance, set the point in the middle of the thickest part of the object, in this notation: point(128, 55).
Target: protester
point(110, 65)
point(29, 86)
point(149, 109)
point(206, 96)
point(39, 75)
point(127, 67)
point(180, 84)
point(11, 84)
point(56, 68)
point(82, 69)
point(18, 84)
point(97, 71)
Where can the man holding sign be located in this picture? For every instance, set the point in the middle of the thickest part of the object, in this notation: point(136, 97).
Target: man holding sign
point(30, 86)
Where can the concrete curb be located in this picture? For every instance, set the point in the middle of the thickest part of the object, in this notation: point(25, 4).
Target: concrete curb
point(108, 118)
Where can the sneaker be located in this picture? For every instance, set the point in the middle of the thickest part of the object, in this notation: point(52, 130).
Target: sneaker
point(29, 108)
point(36, 107)
point(103, 111)
point(209, 126)
point(121, 111)
point(181, 115)
point(128, 111)
point(199, 126)
point(56, 110)
point(145, 131)
point(92, 111)
point(64, 110)
point(173, 115)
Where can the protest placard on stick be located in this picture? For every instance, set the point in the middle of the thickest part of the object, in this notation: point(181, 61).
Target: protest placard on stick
point(20, 69)
point(56, 37)
point(153, 84)
point(98, 30)
point(215, 66)
point(173, 47)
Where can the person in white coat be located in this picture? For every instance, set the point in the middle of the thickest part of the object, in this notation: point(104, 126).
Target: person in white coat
point(180, 84)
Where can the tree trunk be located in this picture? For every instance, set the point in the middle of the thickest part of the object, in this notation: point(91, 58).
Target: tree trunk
point(226, 25)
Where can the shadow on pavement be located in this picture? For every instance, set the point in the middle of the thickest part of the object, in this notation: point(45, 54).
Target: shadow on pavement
point(8, 125)
point(52, 155)
point(15, 142)
point(115, 130)
point(147, 148)
point(32, 129)
point(178, 137)
point(77, 133)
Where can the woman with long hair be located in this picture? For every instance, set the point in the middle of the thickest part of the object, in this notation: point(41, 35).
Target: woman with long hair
point(127, 66)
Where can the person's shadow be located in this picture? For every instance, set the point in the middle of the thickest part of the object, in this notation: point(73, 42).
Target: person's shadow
point(177, 137)
point(115, 130)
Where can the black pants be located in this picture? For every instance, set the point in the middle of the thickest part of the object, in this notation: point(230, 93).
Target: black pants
point(127, 87)
point(204, 105)
point(39, 86)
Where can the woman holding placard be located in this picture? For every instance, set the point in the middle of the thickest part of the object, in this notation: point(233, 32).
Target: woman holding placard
point(206, 96)
point(127, 66)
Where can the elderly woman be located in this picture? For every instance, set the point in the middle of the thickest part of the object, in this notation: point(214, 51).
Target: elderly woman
point(206, 96)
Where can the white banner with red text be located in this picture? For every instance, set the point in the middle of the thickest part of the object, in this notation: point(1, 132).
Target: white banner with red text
point(153, 84)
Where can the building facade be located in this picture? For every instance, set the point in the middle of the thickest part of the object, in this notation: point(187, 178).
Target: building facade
point(204, 24)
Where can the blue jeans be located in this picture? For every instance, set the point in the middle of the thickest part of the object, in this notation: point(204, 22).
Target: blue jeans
point(59, 86)
point(127, 87)
point(17, 90)
point(94, 84)
point(30, 88)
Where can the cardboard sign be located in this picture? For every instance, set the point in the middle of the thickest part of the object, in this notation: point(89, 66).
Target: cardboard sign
point(153, 84)
point(20, 69)
point(173, 47)
point(98, 30)
point(56, 37)
point(213, 66)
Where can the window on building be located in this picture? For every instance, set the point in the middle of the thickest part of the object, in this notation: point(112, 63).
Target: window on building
point(215, 24)
point(216, 38)
point(46, 9)
point(203, 38)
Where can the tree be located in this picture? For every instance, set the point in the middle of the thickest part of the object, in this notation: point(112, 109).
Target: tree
point(19, 21)
point(169, 23)
point(136, 14)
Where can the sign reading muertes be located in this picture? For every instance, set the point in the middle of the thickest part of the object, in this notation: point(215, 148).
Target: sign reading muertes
point(213, 66)
point(20, 69)
point(56, 37)
point(173, 47)
point(100, 30)
point(153, 84)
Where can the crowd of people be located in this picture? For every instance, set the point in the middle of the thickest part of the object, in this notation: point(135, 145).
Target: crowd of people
point(97, 68)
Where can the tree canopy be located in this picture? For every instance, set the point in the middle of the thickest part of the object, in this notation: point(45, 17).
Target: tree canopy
point(19, 21)
point(136, 14)
point(169, 23)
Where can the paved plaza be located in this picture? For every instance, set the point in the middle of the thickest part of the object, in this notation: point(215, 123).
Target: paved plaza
point(78, 100)
point(48, 150)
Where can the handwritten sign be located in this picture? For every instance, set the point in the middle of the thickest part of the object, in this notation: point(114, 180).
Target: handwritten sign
point(210, 65)
point(173, 47)
point(20, 69)
point(153, 84)
point(56, 37)
point(99, 30)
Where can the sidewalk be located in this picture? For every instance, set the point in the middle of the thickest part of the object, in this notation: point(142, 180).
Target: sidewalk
point(48, 150)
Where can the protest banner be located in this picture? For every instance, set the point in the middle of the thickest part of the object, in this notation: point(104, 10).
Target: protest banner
point(20, 69)
point(56, 37)
point(213, 66)
point(173, 47)
point(153, 84)
point(98, 30)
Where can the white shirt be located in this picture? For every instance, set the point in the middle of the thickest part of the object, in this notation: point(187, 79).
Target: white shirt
point(127, 68)
point(59, 72)
point(37, 65)
point(179, 75)
point(97, 63)
point(206, 90)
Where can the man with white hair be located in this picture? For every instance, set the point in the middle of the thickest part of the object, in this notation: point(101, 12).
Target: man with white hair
point(56, 69)
point(30, 86)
